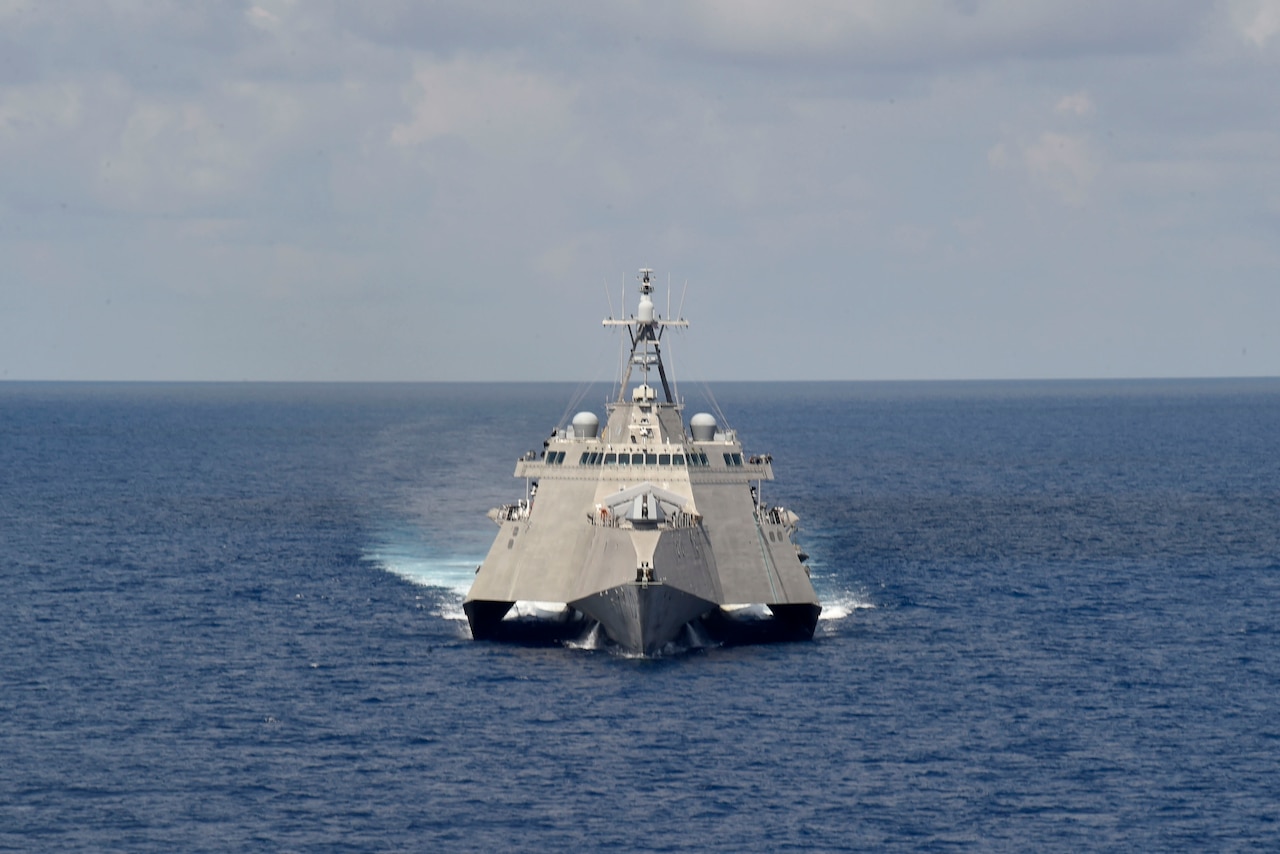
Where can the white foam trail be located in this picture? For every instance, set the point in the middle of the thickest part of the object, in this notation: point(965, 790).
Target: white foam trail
point(453, 574)
point(841, 607)
point(538, 610)
point(594, 639)
point(450, 608)
point(837, 600)
point(747, 612)
point(696, 638)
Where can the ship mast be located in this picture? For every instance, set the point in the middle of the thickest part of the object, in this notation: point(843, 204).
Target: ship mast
point(645, 328)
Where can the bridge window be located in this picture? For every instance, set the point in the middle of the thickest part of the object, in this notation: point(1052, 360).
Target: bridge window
point(677, 459)
point(651, 459)
point(610, 459)
point(664, 459)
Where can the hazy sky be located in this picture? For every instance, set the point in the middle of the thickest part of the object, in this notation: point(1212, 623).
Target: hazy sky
point(853, 189)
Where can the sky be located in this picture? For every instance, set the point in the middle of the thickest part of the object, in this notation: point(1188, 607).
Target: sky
point(404, 190)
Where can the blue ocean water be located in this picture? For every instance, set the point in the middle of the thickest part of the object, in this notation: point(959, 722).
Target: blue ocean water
point(232, 621)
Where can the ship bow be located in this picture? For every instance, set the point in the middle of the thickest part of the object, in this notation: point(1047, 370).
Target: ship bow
point(643, 617)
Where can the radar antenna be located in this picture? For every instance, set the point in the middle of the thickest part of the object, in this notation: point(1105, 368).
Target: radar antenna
point(645, 328)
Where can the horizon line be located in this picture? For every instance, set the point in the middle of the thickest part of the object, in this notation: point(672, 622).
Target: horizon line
point(245, 381)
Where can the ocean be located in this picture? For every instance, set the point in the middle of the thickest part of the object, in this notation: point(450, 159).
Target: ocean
point(232, 621)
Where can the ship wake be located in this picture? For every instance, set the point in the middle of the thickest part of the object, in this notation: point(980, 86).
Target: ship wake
point(447, 576)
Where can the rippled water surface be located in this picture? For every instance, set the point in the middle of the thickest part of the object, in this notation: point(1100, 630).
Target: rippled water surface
point(232, 621)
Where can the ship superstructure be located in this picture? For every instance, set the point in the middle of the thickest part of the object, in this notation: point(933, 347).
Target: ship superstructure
point(643, 526)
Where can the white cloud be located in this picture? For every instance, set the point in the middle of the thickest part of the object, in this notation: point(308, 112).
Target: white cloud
point(890, 32)
point(261, 18)
point(419, 158)
point(29, 112)
point(1078, 104)
point(476, 99)
point(170, 154)
point(1062, 163)
point(1258, 20)
point(1065, 165)
point(167, 152)
point(764, 26)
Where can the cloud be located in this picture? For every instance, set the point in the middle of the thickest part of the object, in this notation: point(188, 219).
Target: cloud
point(422, 158)
point(179, 153)
point(1064, 165)
point(168, 153)
point(30, 112)
point(262, 18)
point(1258, 21)
point(799, 35)
point(760, 26)
point(475, 99)
point(1078, 104)
point(889, 32)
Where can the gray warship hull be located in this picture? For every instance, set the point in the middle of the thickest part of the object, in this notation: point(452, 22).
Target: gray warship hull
point(644, 527)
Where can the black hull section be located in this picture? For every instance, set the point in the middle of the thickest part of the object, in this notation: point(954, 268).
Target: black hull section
point(488, 622)
point(789, 623)
point(801, 618)
point(485, 617)
point(644, 619)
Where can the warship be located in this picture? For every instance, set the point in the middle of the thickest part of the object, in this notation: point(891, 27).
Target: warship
point(645, 529)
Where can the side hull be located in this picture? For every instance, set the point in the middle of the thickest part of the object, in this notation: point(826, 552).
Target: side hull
point(485, 617)
point(787, 623)
point(489, 621)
